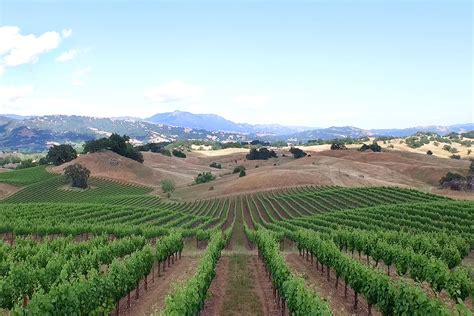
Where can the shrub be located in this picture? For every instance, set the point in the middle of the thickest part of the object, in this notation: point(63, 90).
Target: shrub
point(238, 169)
point(204, 177)
point(373, 147)
point(27, 163)
point(469, 151)
point(455, 157)
point(429, 152)
point(58, 155)
point(78, 175)
point(260, 154)
point(338, 146)
point(242, 173)
point(179, 153)
point(471, 167)
point(165, 152)
point(215, 165)
point(297, 153)
point(167, 185)
point(447, 147)
point(453, 150)
point(452, 180)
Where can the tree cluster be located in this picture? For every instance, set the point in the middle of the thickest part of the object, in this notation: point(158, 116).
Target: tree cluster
point(116, 143)
point(153, 147)
point(261, 154)
point(297, 153)
point(59, 154)
point(373, 147)
point(338, 146)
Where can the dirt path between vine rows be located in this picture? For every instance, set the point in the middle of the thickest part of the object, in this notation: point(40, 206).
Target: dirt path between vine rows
point(240, 287)
point(153, 300)
point(327, 290)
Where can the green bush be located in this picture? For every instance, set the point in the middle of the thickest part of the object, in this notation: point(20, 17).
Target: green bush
point(204, 177)
point(179, 153)
point(238, 169)
point(242, 173)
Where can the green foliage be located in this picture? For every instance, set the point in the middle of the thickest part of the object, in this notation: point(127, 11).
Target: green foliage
point(242, 173)
point(417, 141)
point(165, 152)
point(27, 163)
point(300, 299)
point(451, 176)
point(372, 147)
point(189, 298)
point(469, 134)
point(59, 154)
point(168, 185)
point(215, 165)
point(179, 153)
point(26, 176)
point(238, 169)
point(297, 152)
point(457, 157)
point(429, 152)
point(204, 177)
point(78, 175)
point(447, 148)
point(11, 159)
point(260, 154)
point(116, 143)
point(153, 147)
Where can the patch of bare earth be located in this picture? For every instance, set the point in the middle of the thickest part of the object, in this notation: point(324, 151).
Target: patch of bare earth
point(153, 300)
point(339, 303)
point(7, 190)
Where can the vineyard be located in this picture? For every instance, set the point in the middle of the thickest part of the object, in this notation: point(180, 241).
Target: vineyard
point(117, 249)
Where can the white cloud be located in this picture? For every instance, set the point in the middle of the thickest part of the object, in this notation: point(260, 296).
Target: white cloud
point(252, 101)
point(173, 91)
point(79, 76)
point(17, 49)
point(2, 70)
point(10, 94)
point(67, 56)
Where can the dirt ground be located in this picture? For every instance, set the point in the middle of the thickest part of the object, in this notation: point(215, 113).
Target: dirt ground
point(7, 190)
point(153, 300)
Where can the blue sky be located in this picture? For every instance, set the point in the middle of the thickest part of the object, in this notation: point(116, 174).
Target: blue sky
point(371, 64)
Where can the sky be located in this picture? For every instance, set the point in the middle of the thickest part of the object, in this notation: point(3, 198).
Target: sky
point(370, 64)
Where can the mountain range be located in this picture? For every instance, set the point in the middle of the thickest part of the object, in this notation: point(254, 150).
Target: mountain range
point(37, 133)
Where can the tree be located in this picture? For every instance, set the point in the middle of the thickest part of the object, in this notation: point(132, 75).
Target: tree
point(78, 175)
point(242, 173)
point(297, 153)
point(168, 185)
point(471, 167)
point(58, 155)
point(373, 147)
point(338, 146)
point(116, 143)
point(260, 154)
point(179, 153)
point(429, 152)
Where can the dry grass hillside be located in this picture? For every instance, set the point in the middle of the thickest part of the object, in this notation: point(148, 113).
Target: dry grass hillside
point(320, 167)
